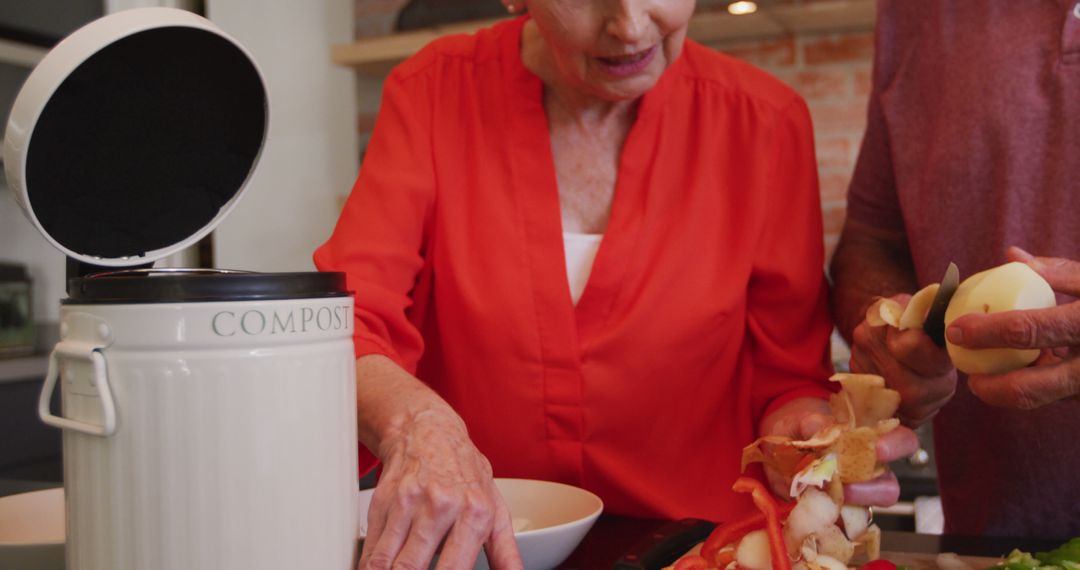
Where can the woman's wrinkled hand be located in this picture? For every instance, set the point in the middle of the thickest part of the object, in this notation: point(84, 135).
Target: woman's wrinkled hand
point(884, 491)
point(911, 364)
point(1055, 375)
point(802, 418)
point(436, 489)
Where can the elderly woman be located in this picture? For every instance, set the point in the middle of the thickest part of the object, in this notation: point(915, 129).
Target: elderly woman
point(584, 249)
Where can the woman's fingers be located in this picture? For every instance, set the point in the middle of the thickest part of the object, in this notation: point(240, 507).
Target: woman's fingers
point(1029, 388)
point(414, 526)
point(387, 531)
point(812, 423)
point(472, 528)
point(435, 487)
point(482, 522)
point(899, 443)
point(885, 490)
point(501, 548)
point(425, 535)
point(881, 492)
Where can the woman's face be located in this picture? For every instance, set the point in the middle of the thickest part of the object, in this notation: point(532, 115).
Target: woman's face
point(612, 49)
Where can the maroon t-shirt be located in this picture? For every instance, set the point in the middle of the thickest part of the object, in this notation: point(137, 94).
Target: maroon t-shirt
point(972, 145)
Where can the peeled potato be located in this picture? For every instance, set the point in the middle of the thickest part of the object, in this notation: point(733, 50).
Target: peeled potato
point(1004, 288)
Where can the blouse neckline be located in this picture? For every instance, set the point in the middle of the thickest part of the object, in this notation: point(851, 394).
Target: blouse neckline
point(569, 328)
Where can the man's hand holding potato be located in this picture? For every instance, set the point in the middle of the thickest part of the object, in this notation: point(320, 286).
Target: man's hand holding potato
point(1056, 330)
point(910, 363)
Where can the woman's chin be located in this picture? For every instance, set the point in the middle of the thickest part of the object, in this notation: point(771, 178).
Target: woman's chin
point(624, 88)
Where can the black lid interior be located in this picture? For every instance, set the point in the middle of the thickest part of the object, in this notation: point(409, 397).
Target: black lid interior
point(144, 142)
point(161, 286)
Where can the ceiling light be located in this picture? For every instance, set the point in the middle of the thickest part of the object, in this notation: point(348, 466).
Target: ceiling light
point(742, 7)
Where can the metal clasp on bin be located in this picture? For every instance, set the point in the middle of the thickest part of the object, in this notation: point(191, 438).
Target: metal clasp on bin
point(84, 338)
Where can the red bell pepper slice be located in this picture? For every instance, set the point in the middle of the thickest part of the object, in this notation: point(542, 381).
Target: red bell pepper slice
point(691, 562)
point(732, 532)
point(768, 506)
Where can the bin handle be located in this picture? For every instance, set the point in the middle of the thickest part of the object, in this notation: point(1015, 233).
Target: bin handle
point(101, 381)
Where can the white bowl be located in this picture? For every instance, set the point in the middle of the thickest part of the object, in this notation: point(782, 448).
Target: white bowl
point(35, 518)
point(32, 530)
point(549, 519)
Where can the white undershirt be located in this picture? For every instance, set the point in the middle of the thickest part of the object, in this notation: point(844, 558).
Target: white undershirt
point(580, 253)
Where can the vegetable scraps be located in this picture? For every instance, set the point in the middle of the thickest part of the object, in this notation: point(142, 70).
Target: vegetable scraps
point(816, 530)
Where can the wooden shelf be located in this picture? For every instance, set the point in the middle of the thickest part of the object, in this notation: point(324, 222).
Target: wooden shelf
point(376, 56)
point(24, 368)
point(20, 54)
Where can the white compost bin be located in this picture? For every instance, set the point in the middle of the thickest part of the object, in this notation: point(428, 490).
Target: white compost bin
point(209, 417)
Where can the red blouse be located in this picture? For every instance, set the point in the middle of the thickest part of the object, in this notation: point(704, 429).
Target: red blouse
point(705, 308)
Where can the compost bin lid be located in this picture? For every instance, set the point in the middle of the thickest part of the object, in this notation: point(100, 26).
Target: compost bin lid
point(169, 285)
point(134, 137)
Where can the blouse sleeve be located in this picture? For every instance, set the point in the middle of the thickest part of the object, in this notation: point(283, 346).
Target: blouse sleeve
point(788, 318)
point(381, 235)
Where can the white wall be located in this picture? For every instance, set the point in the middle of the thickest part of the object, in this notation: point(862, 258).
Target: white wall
point(21, 243)
point(310, 158)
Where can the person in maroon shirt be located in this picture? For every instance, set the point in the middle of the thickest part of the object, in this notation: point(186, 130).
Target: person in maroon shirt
point(971, 144)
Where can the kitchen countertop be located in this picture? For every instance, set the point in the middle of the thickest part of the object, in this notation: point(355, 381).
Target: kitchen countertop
point(612, 536)
point(24, 368)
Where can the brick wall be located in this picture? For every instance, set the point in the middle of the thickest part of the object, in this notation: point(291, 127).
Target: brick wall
point(376, 17)
point(832, 72)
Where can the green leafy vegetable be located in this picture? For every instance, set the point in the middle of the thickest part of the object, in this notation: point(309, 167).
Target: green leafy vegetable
point(1067, 555)
point(1064, 557)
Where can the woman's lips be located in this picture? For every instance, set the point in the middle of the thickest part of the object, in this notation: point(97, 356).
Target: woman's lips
point(626, 65)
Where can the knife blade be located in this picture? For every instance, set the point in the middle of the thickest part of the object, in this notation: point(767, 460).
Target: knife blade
point(935, 318)
point(665, 545)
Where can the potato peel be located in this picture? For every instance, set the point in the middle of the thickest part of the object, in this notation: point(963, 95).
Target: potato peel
point(776, 456)
point(856, 453)
point(822, 439)
point(776, 452)
point(842, 410)
point(885, 426)
point(914, 315)
point(871, 541)
point(884, 312)
point(870, 400)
